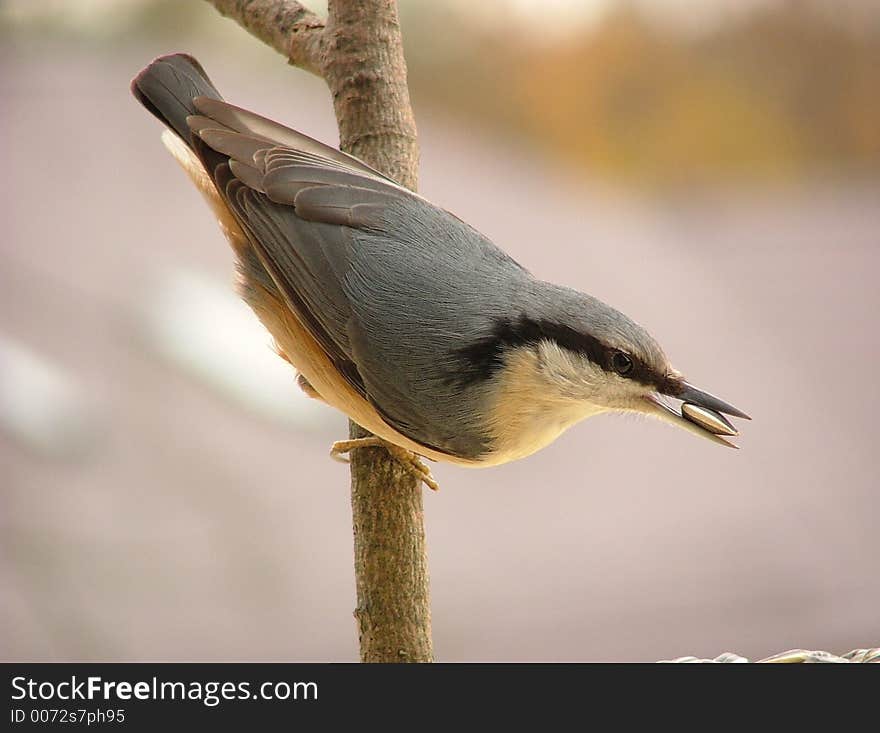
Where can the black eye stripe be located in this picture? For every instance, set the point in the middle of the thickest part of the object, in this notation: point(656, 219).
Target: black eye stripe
point(483, 358)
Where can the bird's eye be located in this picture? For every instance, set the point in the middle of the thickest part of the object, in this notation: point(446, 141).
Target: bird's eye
point(621, 363)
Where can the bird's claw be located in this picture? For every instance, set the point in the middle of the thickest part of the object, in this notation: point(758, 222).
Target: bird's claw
point(406, 458)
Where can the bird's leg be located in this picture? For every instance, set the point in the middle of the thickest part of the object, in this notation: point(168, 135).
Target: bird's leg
point(409, 460)
point(406, 458)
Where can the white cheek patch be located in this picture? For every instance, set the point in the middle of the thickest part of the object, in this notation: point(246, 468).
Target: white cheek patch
point(535, 398)
point(572, 375)
point(575, 377)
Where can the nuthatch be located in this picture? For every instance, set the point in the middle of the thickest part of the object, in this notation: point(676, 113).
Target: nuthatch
point(395, 311)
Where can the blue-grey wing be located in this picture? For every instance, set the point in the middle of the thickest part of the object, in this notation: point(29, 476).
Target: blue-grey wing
point(389, 285)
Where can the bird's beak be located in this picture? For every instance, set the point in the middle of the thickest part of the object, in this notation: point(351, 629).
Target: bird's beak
point(700, 413)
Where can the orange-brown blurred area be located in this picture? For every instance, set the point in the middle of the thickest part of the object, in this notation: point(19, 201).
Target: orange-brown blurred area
point(710, 169)
point(783, 92)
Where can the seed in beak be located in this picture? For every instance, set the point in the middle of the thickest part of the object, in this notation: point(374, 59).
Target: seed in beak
point(708, 419)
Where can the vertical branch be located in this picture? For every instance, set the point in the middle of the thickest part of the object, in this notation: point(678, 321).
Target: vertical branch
point(366, 72)
point(390, 561)
point(359, 54)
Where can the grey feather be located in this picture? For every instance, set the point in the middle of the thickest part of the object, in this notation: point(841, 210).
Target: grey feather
point(342, 205)
point(251, 176)
point(301, 273)
point(237, 146)
point(167, 88)
point(245, 121)
point(198, 123)
point(386, 282)
point(389, 285)
point(280, 158)
point(420, 286)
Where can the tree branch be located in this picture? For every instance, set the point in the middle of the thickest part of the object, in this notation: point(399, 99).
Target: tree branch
point(360, 55)
point(366, 72)
point(287, 26)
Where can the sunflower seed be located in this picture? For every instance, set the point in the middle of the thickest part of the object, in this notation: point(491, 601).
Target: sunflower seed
point(708, 419)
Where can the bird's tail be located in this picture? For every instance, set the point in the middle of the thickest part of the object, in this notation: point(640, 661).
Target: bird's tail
point(167, 88)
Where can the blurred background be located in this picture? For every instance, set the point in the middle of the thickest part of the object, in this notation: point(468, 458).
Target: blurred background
point(711, 169)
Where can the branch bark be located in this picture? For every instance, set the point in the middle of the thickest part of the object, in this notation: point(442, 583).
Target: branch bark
point(358, 52)
point(287, 26)
point(366, 72)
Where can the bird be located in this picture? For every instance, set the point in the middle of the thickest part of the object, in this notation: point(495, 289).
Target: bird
point(398, 313)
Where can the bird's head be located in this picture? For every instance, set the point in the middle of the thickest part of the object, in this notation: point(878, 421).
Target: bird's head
point(584, 354)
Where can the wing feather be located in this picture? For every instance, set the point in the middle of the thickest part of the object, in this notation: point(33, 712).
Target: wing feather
point(245, 121)
point(349, 251)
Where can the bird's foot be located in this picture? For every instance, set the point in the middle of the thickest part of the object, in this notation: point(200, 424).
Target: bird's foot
point(406, 458)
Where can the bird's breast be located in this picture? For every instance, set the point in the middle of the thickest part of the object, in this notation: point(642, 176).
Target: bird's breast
point(524, 413)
